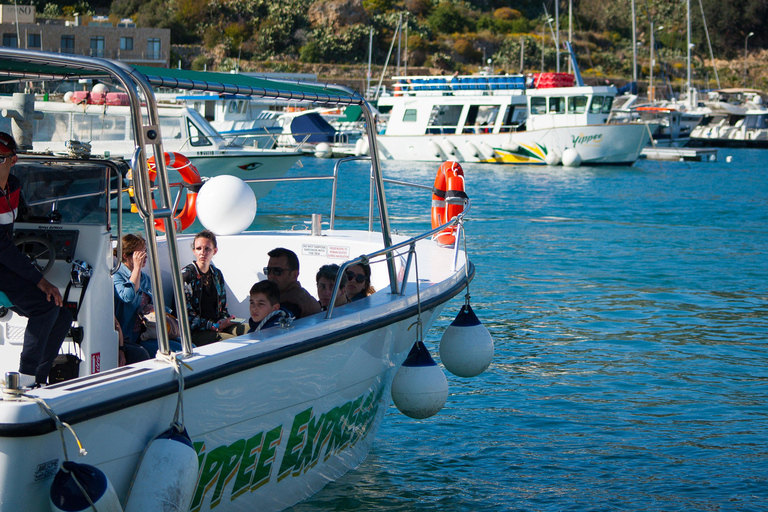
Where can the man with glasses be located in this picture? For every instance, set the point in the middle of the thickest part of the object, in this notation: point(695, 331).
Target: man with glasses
point(30, 294)
point(283, 270)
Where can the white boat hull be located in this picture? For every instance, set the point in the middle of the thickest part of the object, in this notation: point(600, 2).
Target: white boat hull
point(597, 144)
point(274, 416)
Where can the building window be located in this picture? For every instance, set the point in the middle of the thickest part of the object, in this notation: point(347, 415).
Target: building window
point(67, 44)
point(153, 48)
point(33, 41)
point(126, 43)
point(97, 47)
point(10, 41)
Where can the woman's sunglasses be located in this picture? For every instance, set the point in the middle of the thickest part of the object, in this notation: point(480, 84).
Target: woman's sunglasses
point(360, 278)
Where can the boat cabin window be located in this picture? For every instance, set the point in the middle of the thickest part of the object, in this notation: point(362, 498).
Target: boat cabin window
point(607, 105)
point(577, 104)
point(514, 117)
point(444, 118)
point(757, 122)
point(597, 104)
point(481, 118)
point(538, 105)
point(196, 136)
point(557, 105)
point(66, 191)
point(53, 127)
point(410, 115)
point(87, 127)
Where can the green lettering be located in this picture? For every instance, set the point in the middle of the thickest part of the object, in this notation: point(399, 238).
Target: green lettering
point(306, 459)
point(230, 463)
point(263, 470)
point(335, 445)
point(296, 441)
point(209, 474)
point(247, 465)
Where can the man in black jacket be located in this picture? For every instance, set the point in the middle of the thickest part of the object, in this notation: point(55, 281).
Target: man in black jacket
point(30, 293)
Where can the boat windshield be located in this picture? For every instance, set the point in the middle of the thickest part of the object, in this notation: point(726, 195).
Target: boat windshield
point(66, 192)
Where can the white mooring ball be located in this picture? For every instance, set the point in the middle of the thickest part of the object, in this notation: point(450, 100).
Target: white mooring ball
point(466, 348)
point(323, 150)
point(571, 158)
point(552, 158)
point(419, 389)
point(100, 89)
point(226, 205)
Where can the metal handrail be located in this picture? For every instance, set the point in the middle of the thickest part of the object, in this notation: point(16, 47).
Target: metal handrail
point(391, 250)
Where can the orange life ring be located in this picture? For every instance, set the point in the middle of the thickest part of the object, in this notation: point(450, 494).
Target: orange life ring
point(191, 176)
point(449, 183)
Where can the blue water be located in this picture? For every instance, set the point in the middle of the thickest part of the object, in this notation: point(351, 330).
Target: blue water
point(628, 307)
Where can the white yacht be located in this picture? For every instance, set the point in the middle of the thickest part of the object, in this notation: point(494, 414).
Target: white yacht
point(107, 131)
point(256, 422)
point(735, 118)
point(501, 119)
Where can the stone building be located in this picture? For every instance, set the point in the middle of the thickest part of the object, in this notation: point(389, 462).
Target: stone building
point(97, 37)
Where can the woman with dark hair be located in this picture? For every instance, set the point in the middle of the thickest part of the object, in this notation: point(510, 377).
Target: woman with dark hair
point(206, 294)
point(359, 282)
point(326, 277)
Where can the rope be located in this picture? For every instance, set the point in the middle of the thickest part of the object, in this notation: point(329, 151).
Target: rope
point(466, 259)
point(61, 426)
point(78, 149)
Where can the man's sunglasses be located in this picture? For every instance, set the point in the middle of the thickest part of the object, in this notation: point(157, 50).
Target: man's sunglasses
point(3, 159)
point(360, 278)
point(277, 271)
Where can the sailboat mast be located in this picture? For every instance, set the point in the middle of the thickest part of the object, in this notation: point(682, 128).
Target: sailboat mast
point(688, 18)
point(634, 44)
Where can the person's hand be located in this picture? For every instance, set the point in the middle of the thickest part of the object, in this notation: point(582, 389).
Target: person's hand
point(226, 322)
point(121, 358)
point(51, 292)
point(139, 259)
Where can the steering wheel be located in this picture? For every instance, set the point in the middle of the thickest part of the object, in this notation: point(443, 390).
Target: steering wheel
point(39, 250)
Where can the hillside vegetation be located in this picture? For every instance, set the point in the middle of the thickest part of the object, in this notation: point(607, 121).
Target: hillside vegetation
point(331, 37)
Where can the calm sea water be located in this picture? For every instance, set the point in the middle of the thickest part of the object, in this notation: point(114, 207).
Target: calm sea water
point(628, 306)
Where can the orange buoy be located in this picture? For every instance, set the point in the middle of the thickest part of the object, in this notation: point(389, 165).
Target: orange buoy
point(191, 176)
point(448, 200)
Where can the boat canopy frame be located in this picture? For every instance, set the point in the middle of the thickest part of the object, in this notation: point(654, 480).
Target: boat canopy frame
point(19, 66)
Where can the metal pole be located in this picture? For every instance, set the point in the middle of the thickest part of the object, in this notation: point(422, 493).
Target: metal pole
point(745, 57)
point(557, 35)
point(634, 44)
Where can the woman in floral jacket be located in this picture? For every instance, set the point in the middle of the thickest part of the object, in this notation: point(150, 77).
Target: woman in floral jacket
point(206, 294)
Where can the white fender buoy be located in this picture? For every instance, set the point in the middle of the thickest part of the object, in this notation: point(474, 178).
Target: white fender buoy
point(167, 477)
point(571, 158)
point(67, 496)
point(434, 148)
point(323, 150)
point(466, 348)
point(448, 147)
point(472, 150)
point(419, 389)
point(552, 158)
point(486, 151)
point(510, 146)
point(68, 96)
point(360, 147)
point(226, 205)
